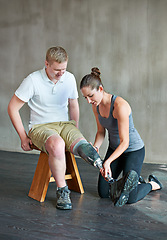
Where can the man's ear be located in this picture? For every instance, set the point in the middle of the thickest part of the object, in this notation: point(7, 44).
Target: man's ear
point(46, 64)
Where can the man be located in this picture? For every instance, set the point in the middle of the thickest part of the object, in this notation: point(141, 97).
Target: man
point(50, 92)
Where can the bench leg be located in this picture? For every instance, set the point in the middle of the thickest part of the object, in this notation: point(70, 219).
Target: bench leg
point(74, 184)
point(42, 177)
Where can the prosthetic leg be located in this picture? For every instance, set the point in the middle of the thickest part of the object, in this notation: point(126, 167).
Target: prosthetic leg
point(90, 155)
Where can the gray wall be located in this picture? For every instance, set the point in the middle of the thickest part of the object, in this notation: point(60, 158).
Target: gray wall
point(126, 39)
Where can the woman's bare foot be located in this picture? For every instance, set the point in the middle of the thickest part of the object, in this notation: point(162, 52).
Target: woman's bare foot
point(155, 186)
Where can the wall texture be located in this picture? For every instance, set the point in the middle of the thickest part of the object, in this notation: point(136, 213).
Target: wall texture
point(126, 39)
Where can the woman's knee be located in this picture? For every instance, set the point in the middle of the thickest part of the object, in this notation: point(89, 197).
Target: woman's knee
point(103, 187)
point(132, 197)
point(131, 201)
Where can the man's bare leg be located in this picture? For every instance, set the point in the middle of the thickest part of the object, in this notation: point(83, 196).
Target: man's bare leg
point(55, 147)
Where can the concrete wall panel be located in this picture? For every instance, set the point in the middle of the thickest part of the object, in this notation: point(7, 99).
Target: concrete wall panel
point(126, 39)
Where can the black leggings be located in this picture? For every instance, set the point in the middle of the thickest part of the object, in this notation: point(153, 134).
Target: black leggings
point(126, 162)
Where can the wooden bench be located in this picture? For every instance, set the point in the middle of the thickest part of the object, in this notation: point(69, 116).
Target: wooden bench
point(42, 176)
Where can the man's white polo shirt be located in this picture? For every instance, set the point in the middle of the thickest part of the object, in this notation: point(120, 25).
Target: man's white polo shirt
point(48, 101)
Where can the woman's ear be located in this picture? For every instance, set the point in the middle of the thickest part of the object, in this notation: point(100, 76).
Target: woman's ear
point(101, 88)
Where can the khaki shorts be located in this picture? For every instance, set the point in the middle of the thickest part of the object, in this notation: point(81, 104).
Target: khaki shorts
point(39, 133)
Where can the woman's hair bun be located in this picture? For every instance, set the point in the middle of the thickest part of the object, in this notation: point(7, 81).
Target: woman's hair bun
point(96, 71)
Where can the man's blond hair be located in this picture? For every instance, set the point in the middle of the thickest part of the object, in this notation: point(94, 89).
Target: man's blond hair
point(56, 54)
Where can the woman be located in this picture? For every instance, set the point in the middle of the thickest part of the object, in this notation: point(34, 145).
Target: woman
point(126, 149)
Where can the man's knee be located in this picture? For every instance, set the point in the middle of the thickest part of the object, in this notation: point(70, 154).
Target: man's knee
point(55, 146)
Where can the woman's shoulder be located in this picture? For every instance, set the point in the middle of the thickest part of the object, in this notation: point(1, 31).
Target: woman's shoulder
point(121, 104)
point(120, 101)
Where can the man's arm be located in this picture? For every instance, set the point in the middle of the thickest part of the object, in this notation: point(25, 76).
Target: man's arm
point(14, 106)
point(74, 110)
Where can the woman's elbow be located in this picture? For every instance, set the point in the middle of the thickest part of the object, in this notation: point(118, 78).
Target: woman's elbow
point(125, 144)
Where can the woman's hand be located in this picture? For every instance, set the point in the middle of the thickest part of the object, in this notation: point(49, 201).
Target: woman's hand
point(95, 147)
point(106, 170)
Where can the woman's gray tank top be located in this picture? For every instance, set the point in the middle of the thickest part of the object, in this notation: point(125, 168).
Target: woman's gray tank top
point(111, 124)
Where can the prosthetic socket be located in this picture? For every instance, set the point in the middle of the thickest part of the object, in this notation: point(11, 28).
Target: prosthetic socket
point(90, 155)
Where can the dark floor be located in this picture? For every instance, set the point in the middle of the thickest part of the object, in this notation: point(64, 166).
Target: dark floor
point(91, 218)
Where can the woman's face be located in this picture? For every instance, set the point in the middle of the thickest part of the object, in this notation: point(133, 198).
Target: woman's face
point(92, 96)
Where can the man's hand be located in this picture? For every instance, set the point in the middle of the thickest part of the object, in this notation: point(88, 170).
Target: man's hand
point(25, 144)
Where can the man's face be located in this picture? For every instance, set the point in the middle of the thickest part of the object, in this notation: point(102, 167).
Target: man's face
point(55, 70)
